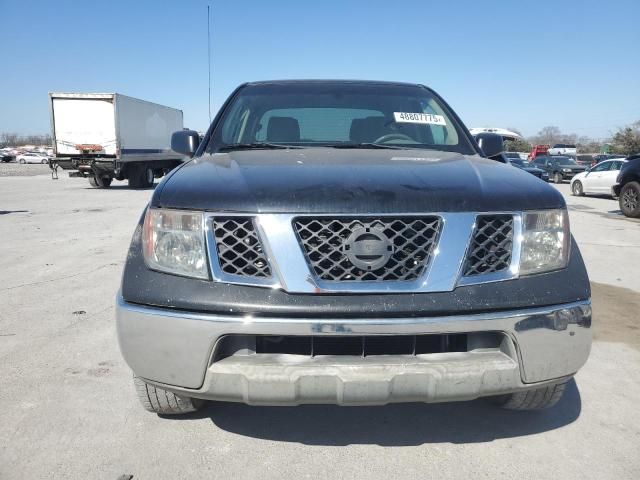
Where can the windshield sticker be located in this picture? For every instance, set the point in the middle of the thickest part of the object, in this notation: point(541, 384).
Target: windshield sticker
point(424, 118)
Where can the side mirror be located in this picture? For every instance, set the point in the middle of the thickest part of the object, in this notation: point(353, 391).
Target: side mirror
point(185, 142)
point(490, 144)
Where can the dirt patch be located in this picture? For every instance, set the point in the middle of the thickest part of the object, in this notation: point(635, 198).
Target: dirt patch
point(616, 314)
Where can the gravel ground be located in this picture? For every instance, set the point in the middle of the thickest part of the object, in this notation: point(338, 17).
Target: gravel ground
point(69, 409)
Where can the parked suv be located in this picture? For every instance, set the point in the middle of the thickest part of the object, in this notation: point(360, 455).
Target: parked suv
point(559, 168)
point(348, 242)
point(6, 156)
point(627, 187)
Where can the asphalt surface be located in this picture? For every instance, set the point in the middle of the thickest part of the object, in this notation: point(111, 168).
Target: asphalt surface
point(69, 408)
point(13, 169)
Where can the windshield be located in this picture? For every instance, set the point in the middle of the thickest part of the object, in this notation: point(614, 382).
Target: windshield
point(564, 161)
point(314, 114)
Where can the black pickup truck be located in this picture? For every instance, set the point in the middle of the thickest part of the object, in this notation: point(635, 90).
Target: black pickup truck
point(558, 167)
point(627, 187)
point(349, 242)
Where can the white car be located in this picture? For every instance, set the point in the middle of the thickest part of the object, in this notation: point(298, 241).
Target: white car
point(597, 180)
point(31, 157)
point(563, 149)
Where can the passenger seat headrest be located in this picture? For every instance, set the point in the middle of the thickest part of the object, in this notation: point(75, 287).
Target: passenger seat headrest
point(283, 129)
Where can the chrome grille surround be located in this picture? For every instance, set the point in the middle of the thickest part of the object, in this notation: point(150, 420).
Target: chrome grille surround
point(325, 241)
point(290, 270)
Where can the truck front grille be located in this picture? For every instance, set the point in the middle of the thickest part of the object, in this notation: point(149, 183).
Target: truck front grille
point(239, 249)
point(399, 247)
point(360, 346)
point(317, 254)
point(491, 245)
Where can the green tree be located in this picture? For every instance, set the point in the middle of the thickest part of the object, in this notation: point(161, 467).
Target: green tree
point(590, 146)
point(627, 140)
point(517, 145)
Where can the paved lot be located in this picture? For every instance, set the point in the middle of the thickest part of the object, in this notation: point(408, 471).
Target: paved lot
point(69, 410)
point(13, 169)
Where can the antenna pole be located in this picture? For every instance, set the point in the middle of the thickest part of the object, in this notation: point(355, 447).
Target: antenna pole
point(209, 57)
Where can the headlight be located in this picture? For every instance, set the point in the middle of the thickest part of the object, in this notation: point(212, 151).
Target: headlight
point(566, 169)
point(173, 242)
point(545, 241)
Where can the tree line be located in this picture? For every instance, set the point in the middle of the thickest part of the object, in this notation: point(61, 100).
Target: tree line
point(15, 140)
point(626, 141)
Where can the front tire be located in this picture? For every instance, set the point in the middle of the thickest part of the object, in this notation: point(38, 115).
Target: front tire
point(140, 176)
point(100, 182)
point(22, 161)
point(164, 402)
point(629, 199)
point(557, 178)
point(536, 399)
point(577, 189)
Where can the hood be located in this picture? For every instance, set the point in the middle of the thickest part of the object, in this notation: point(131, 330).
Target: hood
point(329, 180)
point(575, 168)
point(533, 169)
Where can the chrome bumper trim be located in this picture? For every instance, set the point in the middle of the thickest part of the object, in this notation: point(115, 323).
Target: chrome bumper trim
point(174, 349)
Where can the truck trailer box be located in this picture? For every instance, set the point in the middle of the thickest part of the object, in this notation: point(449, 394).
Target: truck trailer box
point(104, 136)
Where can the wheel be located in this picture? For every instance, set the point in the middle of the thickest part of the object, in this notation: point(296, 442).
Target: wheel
point(22, 161)
point(537, 399)
point(140, 176)
point(44, 161)
point(106, 182)
point(158, 400)
point(557, 178)
point(149, 176)
point(576, 188)
point(630, 199)
point(100, 182)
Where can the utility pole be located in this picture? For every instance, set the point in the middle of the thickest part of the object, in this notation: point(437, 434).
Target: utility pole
point(209, 57)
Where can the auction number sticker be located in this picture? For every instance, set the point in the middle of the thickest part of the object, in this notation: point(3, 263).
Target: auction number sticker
point(424, 118)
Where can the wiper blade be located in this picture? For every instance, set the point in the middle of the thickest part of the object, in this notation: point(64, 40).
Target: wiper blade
point(366, 146)
point(256, 146)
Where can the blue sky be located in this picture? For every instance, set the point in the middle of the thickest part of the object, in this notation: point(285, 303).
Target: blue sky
point(523, 64)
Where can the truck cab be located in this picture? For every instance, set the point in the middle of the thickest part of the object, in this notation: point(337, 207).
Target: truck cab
point(538, 150)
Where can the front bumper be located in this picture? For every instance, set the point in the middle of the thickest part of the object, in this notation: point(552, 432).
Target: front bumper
point(85, 165)
point(615, 190)
point(175, 350)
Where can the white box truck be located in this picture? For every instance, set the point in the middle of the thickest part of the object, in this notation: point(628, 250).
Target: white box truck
point(102, 136)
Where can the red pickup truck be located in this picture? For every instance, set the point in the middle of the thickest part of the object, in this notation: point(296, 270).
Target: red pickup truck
point(538, 150)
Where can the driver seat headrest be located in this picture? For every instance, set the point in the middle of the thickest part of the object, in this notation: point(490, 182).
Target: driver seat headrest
point(368, 129)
